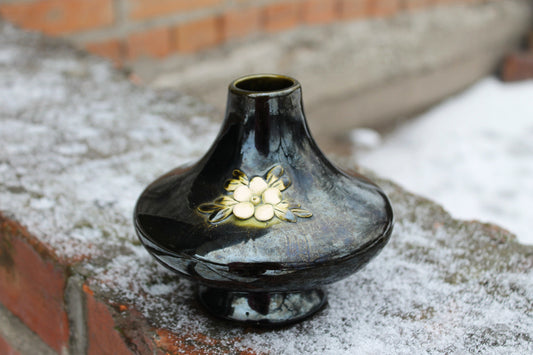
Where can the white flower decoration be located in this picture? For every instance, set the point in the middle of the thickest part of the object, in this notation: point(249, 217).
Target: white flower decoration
point(260, 198)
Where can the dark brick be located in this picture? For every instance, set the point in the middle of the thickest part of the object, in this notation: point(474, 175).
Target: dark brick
point(32, 280)
point(517, 66)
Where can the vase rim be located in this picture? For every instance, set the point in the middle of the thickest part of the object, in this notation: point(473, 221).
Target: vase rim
point(264, 85)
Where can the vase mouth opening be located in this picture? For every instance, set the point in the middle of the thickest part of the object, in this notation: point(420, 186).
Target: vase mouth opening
point(267, 85)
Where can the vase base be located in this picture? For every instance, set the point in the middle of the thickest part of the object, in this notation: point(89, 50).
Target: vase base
point(263, 308)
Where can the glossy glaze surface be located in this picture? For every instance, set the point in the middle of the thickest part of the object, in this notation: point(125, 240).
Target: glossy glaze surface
point(306, 224)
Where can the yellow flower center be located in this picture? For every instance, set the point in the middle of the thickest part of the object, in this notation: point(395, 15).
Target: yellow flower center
point(255, 200)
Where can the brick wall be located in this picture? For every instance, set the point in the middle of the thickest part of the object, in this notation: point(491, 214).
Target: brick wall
point(126, 30)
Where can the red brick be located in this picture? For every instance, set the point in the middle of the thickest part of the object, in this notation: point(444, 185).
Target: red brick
point(32, 283)
point(152, 43)
point(383, 8)
point(102, 334)
point(194, 344)
point(6, 349)
point(241, 22)
point(112, 49)
point(141, 9)
point(517, 66)
point(59, 16)
point(281, 16)
point(196, 35)
point(319, 11)
point(353, 9)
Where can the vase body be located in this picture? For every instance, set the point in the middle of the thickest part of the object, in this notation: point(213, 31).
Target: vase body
point(263, 220)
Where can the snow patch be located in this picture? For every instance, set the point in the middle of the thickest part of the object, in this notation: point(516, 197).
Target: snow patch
point(472, 153)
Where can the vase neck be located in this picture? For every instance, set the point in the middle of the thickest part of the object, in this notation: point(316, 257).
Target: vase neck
point(264, 126)
point(268, 114)
point(261, 107)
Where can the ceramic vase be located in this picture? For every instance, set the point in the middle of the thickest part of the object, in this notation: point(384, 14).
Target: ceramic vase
point(264, 220)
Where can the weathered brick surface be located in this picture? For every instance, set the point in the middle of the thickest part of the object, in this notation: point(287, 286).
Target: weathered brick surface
point(99, 24)
point(113, 49)
point(59, 16)
point(383, 8)
point(517, 66)
point(32, 282)
point(153, 43)
point(353, 9)
point(241, 22)
point(196, 35)
point(171, 342)
point(319, 11)
point(141, 9)
point(103, 335)
point(6, 348)
point(281, 16)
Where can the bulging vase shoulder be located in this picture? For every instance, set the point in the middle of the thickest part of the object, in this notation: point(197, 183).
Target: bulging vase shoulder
point(321, 228)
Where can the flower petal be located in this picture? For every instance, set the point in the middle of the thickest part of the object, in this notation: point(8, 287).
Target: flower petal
point(243, 210)
point(220, 215)
point(302, 213)
point(242, 194)
point(264, 212)
point(272, 196)
point(274, 174)
point(239, 175)
point(225, 201)
point(285, 215)
point(209, 207)
point(232, 185)
point(258, 185)
point(284, 205)
point(282, 183)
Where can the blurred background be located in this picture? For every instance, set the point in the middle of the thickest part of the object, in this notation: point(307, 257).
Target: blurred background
point(383, 80)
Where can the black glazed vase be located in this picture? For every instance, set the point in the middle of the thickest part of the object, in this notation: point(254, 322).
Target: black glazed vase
point(263, 220)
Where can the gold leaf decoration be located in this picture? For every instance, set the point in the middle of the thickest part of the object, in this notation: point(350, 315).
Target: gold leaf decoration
point(258, 198)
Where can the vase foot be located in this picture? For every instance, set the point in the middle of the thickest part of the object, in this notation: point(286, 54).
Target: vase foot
point(265, 308)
